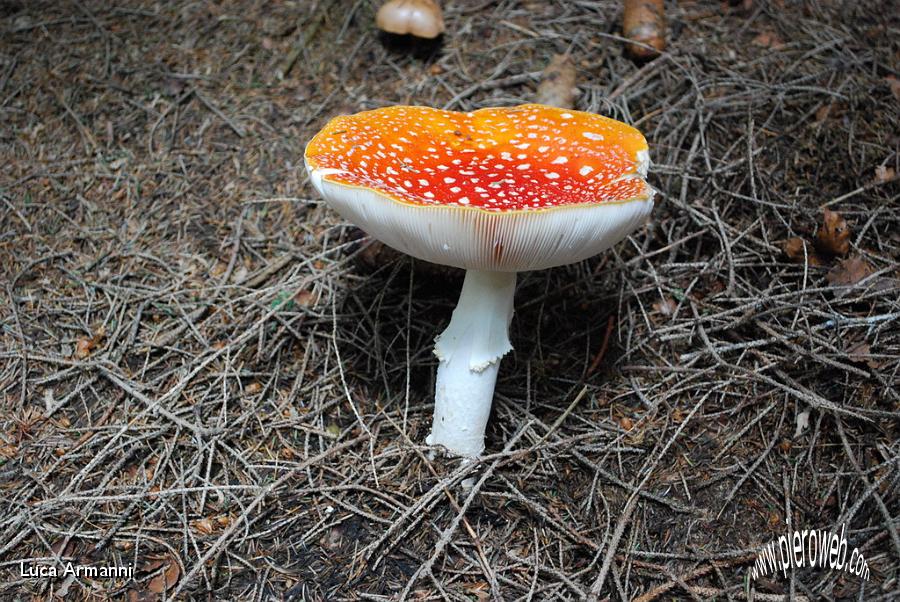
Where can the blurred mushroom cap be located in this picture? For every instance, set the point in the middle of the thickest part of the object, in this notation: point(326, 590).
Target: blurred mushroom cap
point(421, 18)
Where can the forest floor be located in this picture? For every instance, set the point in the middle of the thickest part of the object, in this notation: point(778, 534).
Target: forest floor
point(207, 375)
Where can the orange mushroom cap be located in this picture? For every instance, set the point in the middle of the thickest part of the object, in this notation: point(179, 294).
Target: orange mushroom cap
point(529, 157)
point(503, 189)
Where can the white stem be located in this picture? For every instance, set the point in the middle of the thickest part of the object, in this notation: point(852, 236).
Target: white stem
point(469, 351)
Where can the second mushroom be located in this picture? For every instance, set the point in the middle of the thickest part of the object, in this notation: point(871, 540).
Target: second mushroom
point(495, 191)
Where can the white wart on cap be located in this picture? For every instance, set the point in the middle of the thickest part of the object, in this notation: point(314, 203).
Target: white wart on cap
point(498, 189)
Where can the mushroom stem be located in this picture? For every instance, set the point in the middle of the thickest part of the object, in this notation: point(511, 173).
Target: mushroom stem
point(470, 350)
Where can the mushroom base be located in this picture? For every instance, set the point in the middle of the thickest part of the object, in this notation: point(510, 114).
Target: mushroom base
point(470, 350)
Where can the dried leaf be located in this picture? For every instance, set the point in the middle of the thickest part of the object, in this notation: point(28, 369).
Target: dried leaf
point(894, 84)
point(557, 87)
point(831, 109)
point(204, 526)
point(332, 539)
point(167, 578)
point(797, 250)
point(63, 548)
point(481, 590)
point(859, 350)
point(85, 345)
point(306, 298)
point(861, 353)
point(153, 563)
point(884, 174)
point(833, 237)
point(769, 39)
point(848, 272)
point(635, 437)
point(7, 452)
point(666, 307)
point(371, 255)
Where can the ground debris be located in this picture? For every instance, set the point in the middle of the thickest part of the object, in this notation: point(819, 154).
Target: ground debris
point(250, 425)
point(833, 237)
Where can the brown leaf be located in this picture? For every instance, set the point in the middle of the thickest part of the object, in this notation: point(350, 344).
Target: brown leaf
point(884, 174)
point(665, 307)
point(85, 346)
point(67, 550)
point(306, 298)
point(332, 539)
point(798, 249)
point(480, 589)
point(153, 563)
point(626, 423)
point(861, 353)
point(370, 256)
point(832, 109)
point(848, 272)
point(860, 349)
point(167, 577)
point(833, 237)
point(894, 84)
point(768, 39)
point(557, 87)
point(8, 451)
point(203, 526)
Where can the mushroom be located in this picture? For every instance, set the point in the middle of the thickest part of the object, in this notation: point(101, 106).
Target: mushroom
point(644, 23)
point(495, 191)
point(421, 18)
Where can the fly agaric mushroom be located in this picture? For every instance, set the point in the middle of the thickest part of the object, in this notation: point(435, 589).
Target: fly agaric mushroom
point(495, 191)
point(421, 18)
